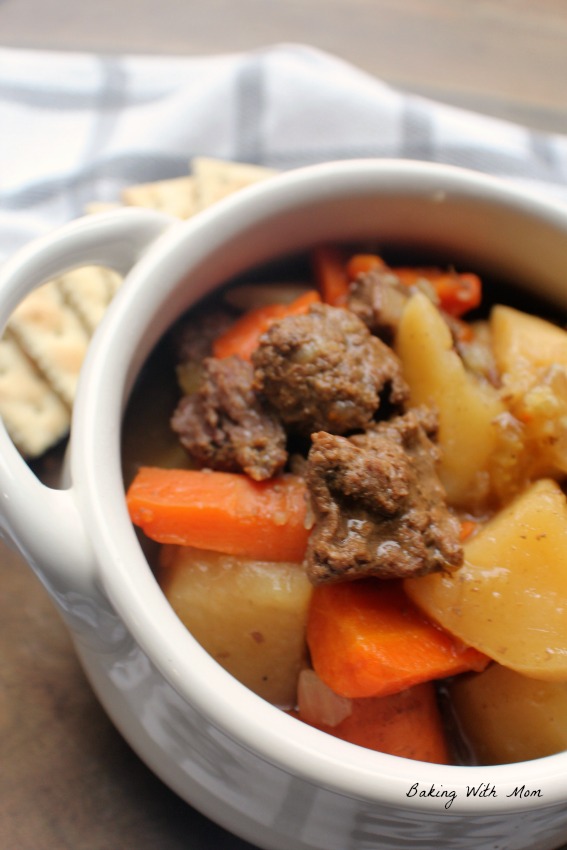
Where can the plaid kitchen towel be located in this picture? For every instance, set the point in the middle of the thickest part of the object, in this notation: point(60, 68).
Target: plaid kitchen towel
point(78, 128)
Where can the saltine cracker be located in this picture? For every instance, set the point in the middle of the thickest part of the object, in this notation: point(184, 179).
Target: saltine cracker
point(51, 334)
point(34, 415)
point(217, 179)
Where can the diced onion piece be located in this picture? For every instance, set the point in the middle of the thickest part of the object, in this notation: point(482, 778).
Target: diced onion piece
point(318, 704)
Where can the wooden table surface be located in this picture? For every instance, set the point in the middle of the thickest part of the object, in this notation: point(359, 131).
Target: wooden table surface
point(67, 779)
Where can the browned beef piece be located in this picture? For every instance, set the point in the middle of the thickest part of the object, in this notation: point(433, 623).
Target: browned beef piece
point(378, 298)
point(193, 337)
point(325, 371)
point(378, 503)
point(224, 425)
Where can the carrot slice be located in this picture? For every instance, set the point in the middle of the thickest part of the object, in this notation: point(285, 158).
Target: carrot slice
point(243, 336)
point(406, 724)
point(367, 639)
point(467, 528)
point(328, 263)
point(362, 263)
point(221, 511)
point(457, 292)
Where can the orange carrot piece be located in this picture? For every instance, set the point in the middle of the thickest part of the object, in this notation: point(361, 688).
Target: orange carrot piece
point(221, 511)
point(467, 528)
point(243, 336)
point(457, 292)
point(362, 263)
point(367, 639)
point(328, 263)
point(406, 724)
point(302, 303)
point(410, 275)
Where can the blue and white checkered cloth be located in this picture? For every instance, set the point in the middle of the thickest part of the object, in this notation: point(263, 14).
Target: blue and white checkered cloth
point(77, 128)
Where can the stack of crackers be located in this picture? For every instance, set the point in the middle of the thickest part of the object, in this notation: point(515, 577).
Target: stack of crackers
point(48, 334)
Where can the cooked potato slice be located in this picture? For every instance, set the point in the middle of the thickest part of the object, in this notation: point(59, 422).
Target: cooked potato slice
point(531, 355)
point(509, 599)
point(249, 615)
point(507, 717)
point(521, 341)
point(468, 407)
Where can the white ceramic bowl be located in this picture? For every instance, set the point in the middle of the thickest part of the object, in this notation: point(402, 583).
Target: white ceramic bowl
point(255, 770)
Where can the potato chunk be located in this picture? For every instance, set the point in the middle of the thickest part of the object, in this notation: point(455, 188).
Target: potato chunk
point(531, 355)
point(468, 407)
point(249, 615)
point(509, 599)
point(507, 717)
point(521, 341)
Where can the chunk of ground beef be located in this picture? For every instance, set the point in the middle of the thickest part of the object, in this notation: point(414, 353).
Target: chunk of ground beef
point(378, 298)
point(379, 506)
point(324, 371)
point(193, 337)
point(224, 425)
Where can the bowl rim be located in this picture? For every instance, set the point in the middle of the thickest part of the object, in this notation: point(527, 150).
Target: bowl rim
point(123, 570)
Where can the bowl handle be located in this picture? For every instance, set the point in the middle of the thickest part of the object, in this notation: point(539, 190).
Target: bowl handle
point(42, 523)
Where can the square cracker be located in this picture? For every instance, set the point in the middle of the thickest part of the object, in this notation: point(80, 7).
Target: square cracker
point(175, 196)
point(34, 415)
point(217, 178)
point(49, 331)
point(48, 334)
point(89, 291)
point(101, 206)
